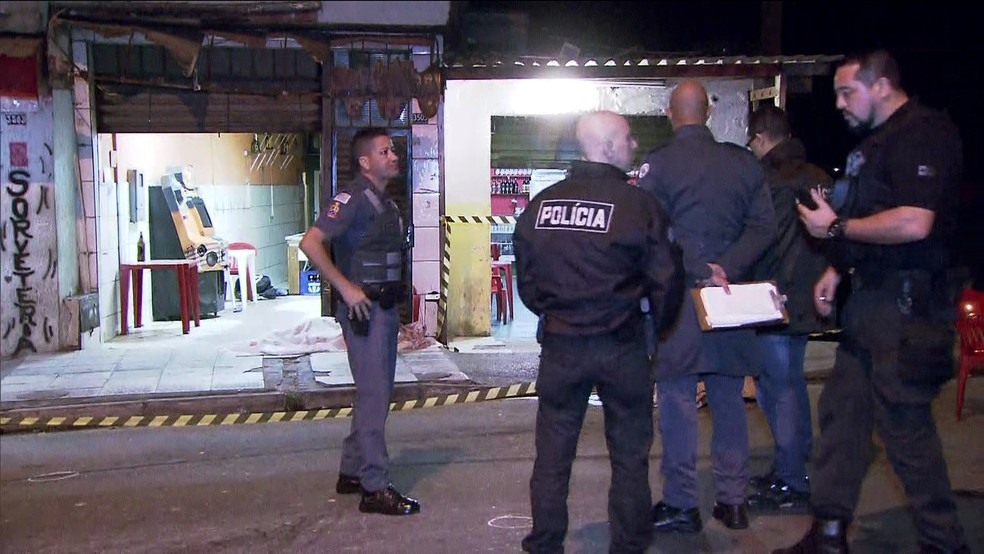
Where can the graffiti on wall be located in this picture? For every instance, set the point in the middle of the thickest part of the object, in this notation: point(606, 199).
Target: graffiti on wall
point(28, 253)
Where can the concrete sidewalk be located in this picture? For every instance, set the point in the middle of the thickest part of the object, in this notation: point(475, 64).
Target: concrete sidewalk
point(157, 370)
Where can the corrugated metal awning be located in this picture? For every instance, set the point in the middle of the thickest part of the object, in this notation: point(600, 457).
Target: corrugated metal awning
point(638, 66)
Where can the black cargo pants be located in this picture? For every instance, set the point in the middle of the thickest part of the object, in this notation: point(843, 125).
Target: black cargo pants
point(888, 368)
point(618, 366)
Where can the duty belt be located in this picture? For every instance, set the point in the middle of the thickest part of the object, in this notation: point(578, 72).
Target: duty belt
point(385, 293)
point(913, 288)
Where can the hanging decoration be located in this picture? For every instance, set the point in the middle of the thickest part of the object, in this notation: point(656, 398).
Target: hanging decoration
point(392, 84)
point(429, 87)
point(352, 86)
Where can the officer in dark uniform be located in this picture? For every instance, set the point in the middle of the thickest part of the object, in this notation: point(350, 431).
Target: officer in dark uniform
point(365, 232)
point(722, 216)
point(588, 250)
point(894, 233)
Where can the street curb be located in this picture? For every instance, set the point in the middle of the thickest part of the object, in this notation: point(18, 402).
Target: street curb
point(115, 414)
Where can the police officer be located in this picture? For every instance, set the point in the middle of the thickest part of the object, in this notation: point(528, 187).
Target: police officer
point(895, 233)
point(588, 249)
point(365, 233)
point(795, 261)
point(723, 218)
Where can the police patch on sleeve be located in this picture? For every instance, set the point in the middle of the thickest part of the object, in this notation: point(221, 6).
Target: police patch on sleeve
point(643, 170)
point(575, 215)
point(333, 209)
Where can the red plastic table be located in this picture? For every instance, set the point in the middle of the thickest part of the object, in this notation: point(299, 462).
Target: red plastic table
point(187, 271)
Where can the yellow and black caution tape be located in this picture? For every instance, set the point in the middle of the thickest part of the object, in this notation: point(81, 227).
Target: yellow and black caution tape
point(448, 220)
point(18, 424)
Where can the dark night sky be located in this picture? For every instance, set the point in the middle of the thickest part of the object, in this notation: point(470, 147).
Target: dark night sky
point(939, 46)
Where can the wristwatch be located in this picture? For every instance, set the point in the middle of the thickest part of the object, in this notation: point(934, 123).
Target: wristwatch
point(836, 228)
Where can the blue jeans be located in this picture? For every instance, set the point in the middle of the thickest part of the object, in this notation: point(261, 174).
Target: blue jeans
point(782, 396)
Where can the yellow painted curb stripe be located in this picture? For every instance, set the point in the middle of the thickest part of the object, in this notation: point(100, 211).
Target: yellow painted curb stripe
point(29, 423)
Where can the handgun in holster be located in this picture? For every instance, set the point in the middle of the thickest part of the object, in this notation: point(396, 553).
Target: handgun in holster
point(385, 293)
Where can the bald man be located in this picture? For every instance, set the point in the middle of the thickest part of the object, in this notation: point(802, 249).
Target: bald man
point(588, 250)
point(723, 219)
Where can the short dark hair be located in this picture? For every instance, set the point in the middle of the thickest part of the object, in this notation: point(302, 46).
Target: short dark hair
point(769, 121)
point(362, 142)
point(875, 64)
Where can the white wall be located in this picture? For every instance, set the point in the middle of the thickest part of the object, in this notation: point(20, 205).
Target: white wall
point(468, 110)
point(29, 257)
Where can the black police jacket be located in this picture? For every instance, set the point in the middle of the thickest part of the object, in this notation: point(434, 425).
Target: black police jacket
point(589, 248)
point(914, 158)
point(795, 260)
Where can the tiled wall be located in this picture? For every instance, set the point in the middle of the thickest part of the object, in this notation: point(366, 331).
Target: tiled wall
point(87, 167)
point(261, 215)
point(426, 205)
point(108, 233)
point(239, 214)
point(86, 224)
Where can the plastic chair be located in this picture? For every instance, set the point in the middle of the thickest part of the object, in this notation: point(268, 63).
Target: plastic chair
point(970, 326)
point(499, 295)
point(242, 255)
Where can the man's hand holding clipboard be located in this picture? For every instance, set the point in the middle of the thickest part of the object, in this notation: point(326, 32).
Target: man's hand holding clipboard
point(723, 305)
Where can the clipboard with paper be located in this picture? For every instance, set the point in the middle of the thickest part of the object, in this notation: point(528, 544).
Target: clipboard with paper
point(749, 305)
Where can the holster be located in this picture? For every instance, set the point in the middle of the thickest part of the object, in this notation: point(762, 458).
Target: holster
point(387, 294)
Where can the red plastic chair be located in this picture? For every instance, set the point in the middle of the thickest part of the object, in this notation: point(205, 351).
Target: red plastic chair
point(970, 325)
point(499, 295)
point(246, 284)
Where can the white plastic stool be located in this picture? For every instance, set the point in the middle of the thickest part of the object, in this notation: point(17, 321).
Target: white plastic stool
point(245, 263)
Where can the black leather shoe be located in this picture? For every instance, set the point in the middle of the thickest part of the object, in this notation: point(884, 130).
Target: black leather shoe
point(348, 484)
point(762, 482)
point(667, 519)
point(733, 516)
point(389, 502)
point(826, 536)
point(930, 549)
point(779, 496)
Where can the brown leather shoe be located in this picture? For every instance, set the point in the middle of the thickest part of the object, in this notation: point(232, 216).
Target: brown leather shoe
point(826, 536)
point(389, 502)
point(348, 484)
point(733, 516)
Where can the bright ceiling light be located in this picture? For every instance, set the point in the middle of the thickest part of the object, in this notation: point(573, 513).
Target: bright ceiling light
point(553, 96)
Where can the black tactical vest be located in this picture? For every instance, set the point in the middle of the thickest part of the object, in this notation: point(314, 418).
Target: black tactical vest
point(378, 256)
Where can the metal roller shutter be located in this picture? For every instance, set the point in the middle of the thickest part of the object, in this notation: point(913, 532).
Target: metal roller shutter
point(141, 89)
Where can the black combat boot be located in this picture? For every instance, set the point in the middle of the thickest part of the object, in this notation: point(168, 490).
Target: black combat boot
point(826, 536)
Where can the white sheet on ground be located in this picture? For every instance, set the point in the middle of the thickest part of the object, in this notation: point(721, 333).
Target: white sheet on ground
point(322, 334)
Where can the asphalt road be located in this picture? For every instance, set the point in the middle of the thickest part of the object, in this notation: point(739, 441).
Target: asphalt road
point(269, 488)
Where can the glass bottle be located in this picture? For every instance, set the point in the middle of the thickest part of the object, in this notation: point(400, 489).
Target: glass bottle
point(141, 248)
